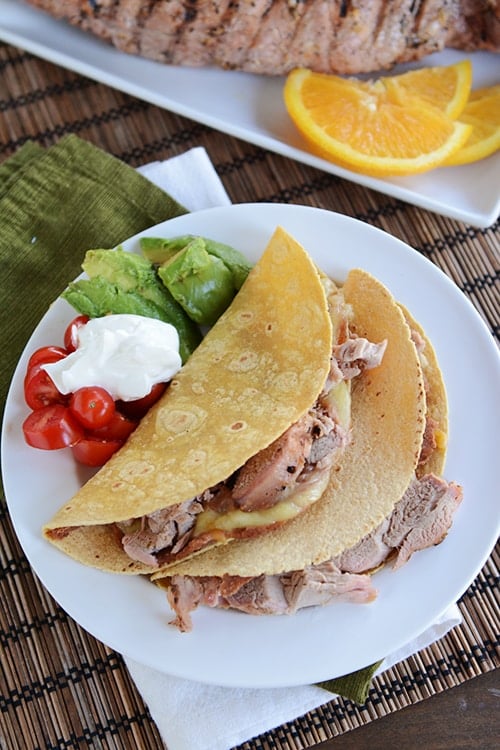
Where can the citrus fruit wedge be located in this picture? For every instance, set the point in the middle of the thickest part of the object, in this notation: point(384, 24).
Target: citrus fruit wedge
point(370, 127)
point(482, 93)
point(482, 112)
point(446, 88)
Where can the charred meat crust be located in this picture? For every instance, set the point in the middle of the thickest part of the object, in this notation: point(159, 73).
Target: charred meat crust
point(274, 36)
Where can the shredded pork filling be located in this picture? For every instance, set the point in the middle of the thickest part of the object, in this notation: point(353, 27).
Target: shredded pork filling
point(267, 594)
point(420, 519)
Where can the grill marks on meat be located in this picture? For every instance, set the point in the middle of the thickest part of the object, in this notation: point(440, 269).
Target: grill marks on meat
point(285, 594)
point(273, 36)
point(476, 26)
point(421, 519)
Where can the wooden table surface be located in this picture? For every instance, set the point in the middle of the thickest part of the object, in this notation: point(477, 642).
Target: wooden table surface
point(466, 717)
point(448, 695)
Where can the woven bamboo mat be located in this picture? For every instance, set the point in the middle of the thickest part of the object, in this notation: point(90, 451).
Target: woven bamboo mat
point(59, 687)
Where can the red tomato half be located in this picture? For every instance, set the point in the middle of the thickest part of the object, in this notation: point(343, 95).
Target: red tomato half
point(139, 407)
point(93, 406)
point(45, 355)
point(119, 428)
point(40, 390)
point(71, 332)
point(92, 452)
point(51, 427)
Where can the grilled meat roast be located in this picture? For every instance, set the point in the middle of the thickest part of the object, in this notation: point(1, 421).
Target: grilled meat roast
point(274, 36)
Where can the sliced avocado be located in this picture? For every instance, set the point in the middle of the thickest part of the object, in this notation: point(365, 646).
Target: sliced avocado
point(200, 282)
point(128, 271)
point(160, 250)
point(97, 297)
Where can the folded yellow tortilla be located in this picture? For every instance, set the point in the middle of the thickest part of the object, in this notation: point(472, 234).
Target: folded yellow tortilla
point(436, 400)
point(258, 370)
point(388, 421)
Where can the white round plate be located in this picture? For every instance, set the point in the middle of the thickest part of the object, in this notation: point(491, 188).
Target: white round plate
point(131, 615)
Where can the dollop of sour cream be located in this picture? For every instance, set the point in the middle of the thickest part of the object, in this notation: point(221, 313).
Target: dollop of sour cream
point(125, 354)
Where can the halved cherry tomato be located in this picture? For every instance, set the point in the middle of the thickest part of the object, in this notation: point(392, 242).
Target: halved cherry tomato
point(119, 428)
point(71, 332)
point(93, 406)
point(91, 452)
point(138, 408)
point(40, 390)
point(52, 427)
point(45, 355)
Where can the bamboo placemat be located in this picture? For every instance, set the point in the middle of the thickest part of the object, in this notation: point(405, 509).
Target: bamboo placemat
point(59, 687)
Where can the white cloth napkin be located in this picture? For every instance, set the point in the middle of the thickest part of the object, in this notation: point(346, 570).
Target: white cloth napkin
point(190, 178)
point(193, 716)
point(190, 715)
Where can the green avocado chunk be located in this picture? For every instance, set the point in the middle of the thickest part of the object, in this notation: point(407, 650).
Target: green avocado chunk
point(200, 282)
point(128, 271)
point(98, 297)
point(160, 250)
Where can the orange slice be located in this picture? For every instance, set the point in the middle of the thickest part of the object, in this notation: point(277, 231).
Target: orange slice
point(476, 94)
point(482, 112)
point(446, 87)
point(370, 127)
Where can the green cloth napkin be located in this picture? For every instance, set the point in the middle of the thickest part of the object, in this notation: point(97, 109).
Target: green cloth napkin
point(55, 204)
point(355, 685)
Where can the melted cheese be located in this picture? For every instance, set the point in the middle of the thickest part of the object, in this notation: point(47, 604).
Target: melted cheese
point(303, 494)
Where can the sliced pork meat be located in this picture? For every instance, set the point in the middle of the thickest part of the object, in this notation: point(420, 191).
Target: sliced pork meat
point(167, 527)
point(323, 584)
point(308, 447)
point(263, 595)
point(185, 594)
point(274, 469)
point(357, 354)
point(423, 517)
point(429, 441)
point(272, 37)
point(310, 442)
point(285, 594)
point(420, 519)
point(368, 554)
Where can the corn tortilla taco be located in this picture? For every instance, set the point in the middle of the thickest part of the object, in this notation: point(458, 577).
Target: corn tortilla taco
point(386, 501)
point(263, 387)
point(433, 452)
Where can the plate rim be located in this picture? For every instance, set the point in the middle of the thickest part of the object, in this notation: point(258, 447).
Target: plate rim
point(400, 248)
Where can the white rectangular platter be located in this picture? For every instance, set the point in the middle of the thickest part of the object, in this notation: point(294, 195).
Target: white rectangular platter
point(251, 107)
